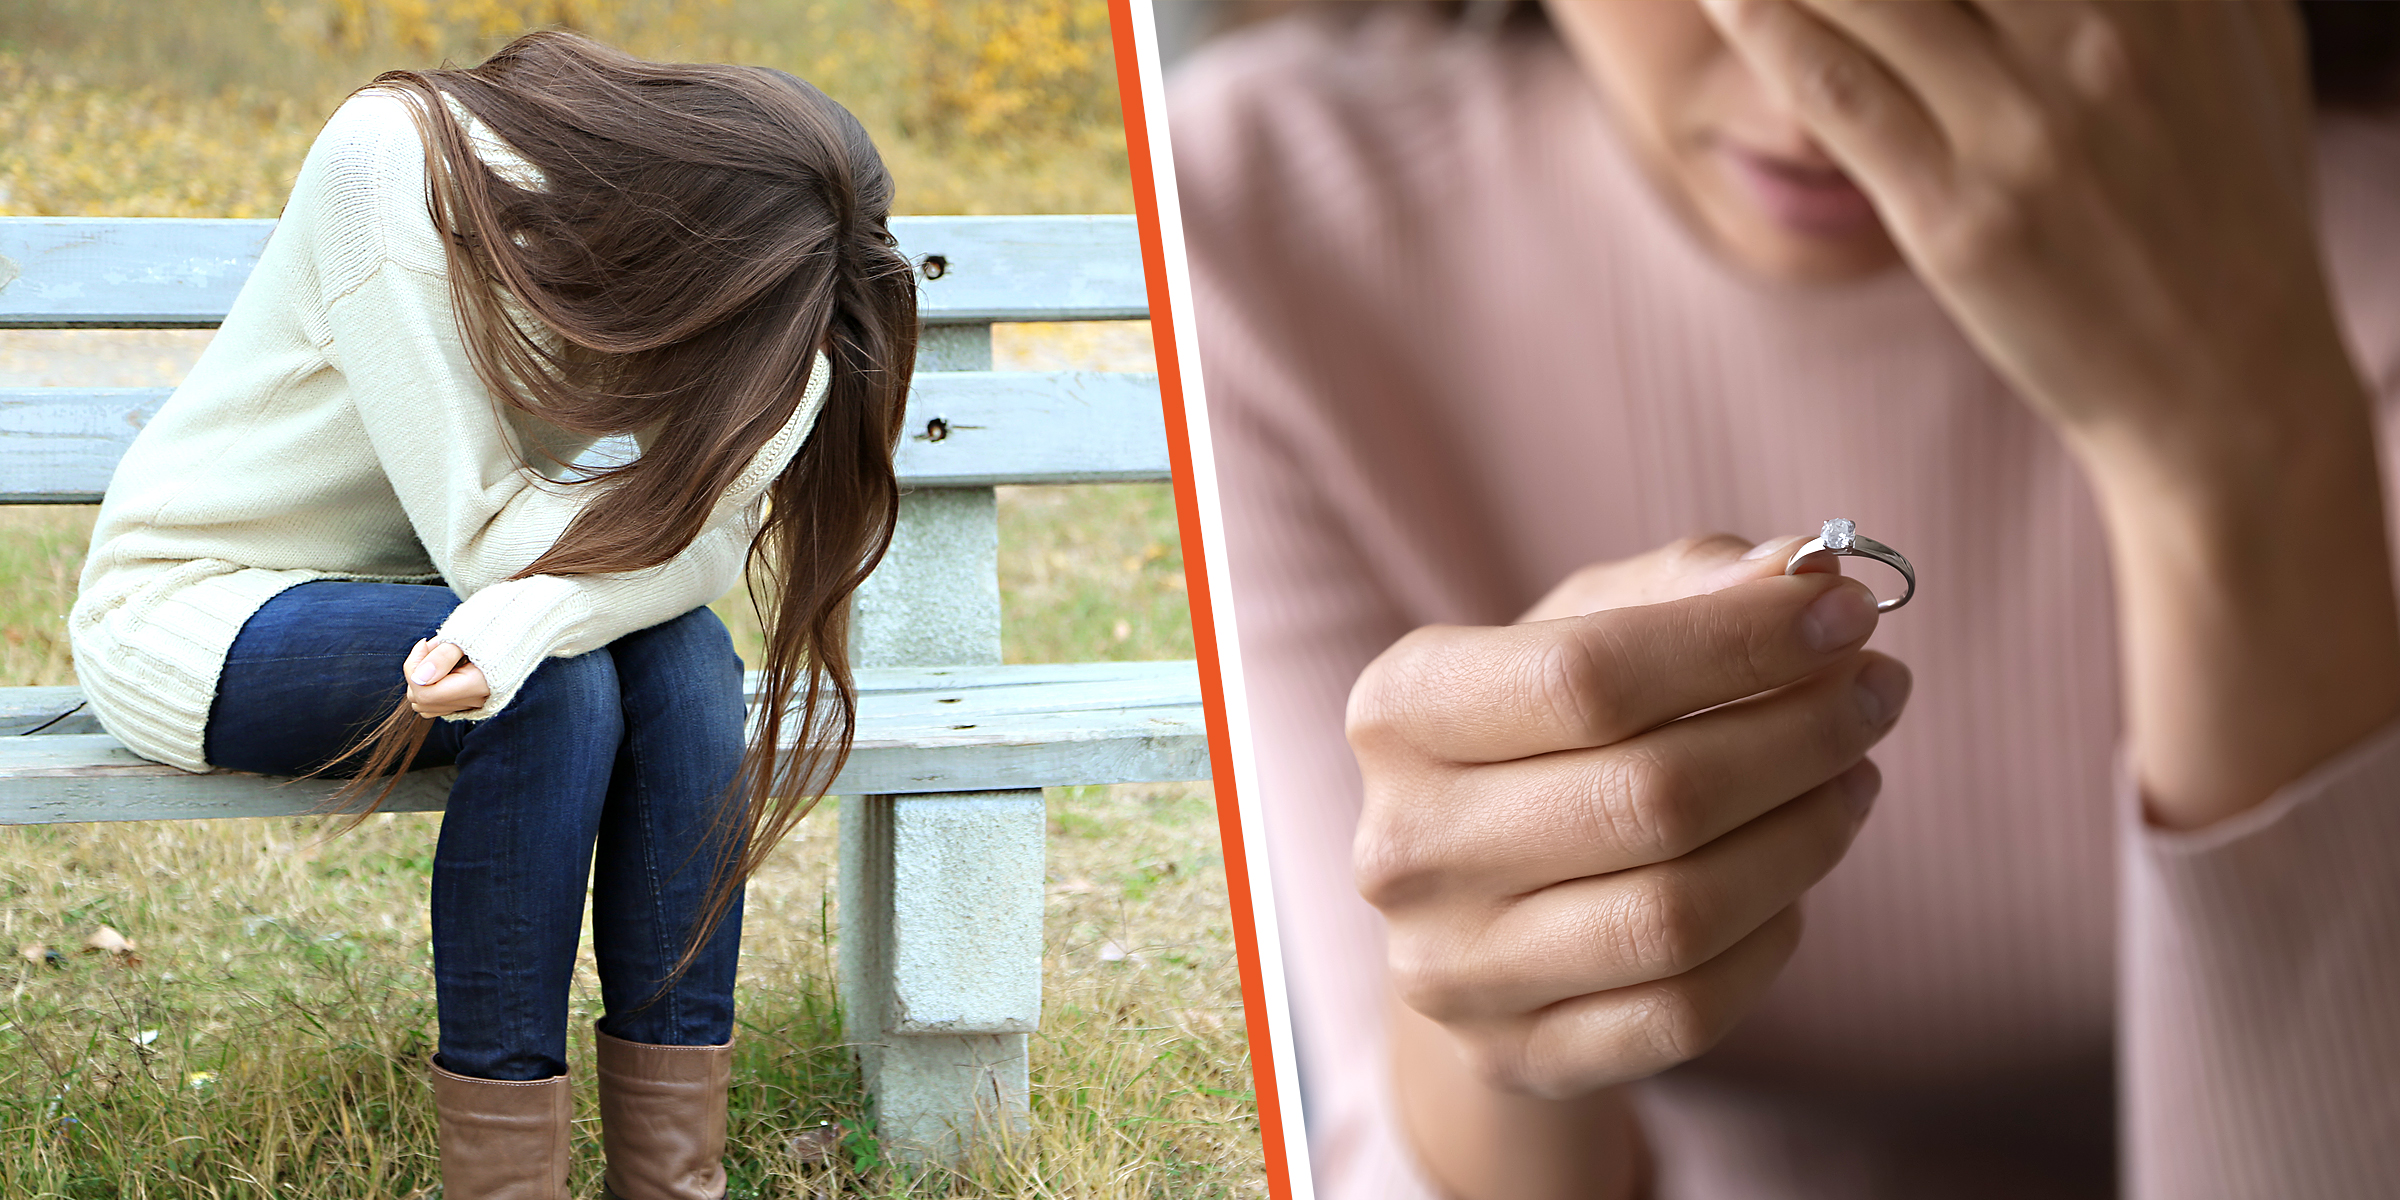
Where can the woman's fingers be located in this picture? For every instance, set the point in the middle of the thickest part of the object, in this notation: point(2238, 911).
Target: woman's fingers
point(1603, 804)
point(461, 689)
point(1871, 121)
point(1578, 1046)
point(1653, 798)
point(437, 660)
point(1468, 695)
point(1689, 567)
point(2038, 33)
point(1949, 57)
point(458, 691)
point(441, 680)
point(1635, 926)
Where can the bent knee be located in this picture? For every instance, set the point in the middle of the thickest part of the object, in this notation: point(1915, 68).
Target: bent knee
point(581, 692)
point(699, 635)
point(690, 656)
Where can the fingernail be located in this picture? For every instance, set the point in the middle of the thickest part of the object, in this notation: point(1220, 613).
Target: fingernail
point(1882, 688)
point(1764, 548)
point(1838, 618)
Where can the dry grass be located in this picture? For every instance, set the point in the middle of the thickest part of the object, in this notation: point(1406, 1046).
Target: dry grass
point(271, 1038)
point(267, 1037)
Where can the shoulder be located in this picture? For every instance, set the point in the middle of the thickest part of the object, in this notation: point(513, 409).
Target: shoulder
point(372, 120)
point(379, 128)
point(1342, 150)
point(371, 144)
point(1337, 175)
point(1311, 64)
point(1348, 108)
point(360, 198)
point(363, 187)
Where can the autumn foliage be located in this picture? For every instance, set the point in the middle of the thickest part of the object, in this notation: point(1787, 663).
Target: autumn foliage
point(205, 107)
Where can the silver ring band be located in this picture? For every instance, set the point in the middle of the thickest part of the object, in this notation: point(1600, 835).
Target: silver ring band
point(1841, 537)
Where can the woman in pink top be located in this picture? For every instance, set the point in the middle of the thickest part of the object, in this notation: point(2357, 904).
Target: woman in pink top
point(2088, 310)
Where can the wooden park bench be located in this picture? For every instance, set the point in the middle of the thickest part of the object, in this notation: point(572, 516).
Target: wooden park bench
point(942, 830)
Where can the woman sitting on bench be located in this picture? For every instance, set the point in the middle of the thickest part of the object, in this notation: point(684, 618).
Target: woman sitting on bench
point(372, 470)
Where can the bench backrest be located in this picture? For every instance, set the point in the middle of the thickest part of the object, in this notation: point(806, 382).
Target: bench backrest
point(58, 445)
point(936, 600)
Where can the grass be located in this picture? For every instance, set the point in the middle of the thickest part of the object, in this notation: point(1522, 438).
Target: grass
point(268, 1036)
point(267, 1032)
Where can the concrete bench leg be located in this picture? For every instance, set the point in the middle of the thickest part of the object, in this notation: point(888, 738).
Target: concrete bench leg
point(941, 895)
point(941, 958)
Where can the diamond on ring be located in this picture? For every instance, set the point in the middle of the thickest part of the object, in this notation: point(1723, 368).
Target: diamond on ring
point(1840, 536)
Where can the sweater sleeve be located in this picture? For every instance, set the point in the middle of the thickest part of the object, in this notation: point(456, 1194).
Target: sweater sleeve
point(2260, 1035)
point(483, 517)
point(508, 628)
point(480, 512)
point(2260, 997)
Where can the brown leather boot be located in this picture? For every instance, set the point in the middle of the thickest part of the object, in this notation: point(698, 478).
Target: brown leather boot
point(662, 1119)
point(503, 1140)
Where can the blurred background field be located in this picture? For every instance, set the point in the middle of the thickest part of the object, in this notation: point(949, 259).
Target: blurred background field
point(265, 1032)
point(204, 107)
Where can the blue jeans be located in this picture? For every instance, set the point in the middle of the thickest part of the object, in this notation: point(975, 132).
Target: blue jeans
point(630, 749)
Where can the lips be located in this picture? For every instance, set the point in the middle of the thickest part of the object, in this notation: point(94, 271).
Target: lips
point(1819, 201)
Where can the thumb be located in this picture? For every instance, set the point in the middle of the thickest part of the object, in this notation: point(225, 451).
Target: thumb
point(1693, 566)
point(437, 662)
point(1763, 561)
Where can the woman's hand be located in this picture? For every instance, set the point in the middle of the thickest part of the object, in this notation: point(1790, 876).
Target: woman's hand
point(2112, 199)
point(441, 680)
point(1588, 833)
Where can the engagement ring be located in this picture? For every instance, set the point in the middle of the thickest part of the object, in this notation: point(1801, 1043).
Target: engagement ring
point(1841, 537)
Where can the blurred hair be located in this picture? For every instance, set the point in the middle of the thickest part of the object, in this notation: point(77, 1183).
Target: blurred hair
point(2353, 52)
point(699, 232)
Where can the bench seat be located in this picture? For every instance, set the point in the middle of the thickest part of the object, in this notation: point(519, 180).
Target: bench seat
point(920, 730)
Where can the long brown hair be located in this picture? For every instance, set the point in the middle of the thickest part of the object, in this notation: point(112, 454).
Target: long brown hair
point(699, 231)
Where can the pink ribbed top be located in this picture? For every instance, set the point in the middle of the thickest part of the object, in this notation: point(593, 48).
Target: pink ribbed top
point(1454, 346)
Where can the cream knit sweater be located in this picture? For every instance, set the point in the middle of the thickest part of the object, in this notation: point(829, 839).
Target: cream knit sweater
point(334, 429)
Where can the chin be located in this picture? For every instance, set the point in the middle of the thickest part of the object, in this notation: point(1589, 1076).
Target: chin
point(1772, 251)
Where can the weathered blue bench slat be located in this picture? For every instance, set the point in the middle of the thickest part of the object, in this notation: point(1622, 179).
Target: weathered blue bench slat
point(965, 429)
point(149, 273)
